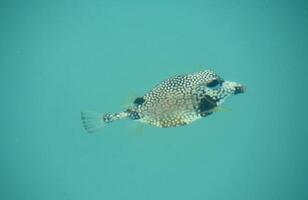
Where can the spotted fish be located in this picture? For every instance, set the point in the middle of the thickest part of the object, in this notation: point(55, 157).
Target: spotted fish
point(177, 101)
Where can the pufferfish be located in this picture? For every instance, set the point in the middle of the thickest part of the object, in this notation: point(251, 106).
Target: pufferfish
point(177, 101)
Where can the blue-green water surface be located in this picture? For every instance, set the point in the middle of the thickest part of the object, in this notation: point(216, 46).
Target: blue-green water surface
point(61, 57)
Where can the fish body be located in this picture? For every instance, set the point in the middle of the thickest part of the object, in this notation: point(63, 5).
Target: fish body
point(177, 101)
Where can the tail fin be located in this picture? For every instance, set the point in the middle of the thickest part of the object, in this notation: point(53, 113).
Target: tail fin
point(92, 121)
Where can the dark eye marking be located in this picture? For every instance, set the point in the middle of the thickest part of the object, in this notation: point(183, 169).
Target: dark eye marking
point(139, 101)
point(213, 83)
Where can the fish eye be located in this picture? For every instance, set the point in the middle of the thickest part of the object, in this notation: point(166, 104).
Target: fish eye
point(213, 83)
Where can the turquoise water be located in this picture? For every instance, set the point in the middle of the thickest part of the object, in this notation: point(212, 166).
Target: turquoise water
point(61, 57)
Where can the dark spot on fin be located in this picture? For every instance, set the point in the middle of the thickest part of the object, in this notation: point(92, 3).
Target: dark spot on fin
point(205, 106)
point(139, 101)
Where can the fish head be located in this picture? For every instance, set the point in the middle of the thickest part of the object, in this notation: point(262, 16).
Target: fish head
point(216, 90)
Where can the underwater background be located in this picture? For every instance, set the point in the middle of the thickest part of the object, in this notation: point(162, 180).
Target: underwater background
point(61, 57)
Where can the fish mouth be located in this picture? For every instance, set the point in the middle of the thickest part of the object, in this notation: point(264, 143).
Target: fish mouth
point(239, 89)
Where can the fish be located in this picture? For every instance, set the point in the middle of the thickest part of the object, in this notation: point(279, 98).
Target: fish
point(176, 101)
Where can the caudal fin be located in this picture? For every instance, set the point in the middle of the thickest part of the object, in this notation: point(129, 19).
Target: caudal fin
point(92, 121)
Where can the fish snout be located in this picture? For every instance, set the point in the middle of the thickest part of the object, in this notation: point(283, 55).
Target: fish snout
point(239, 89)
point(234, 88)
